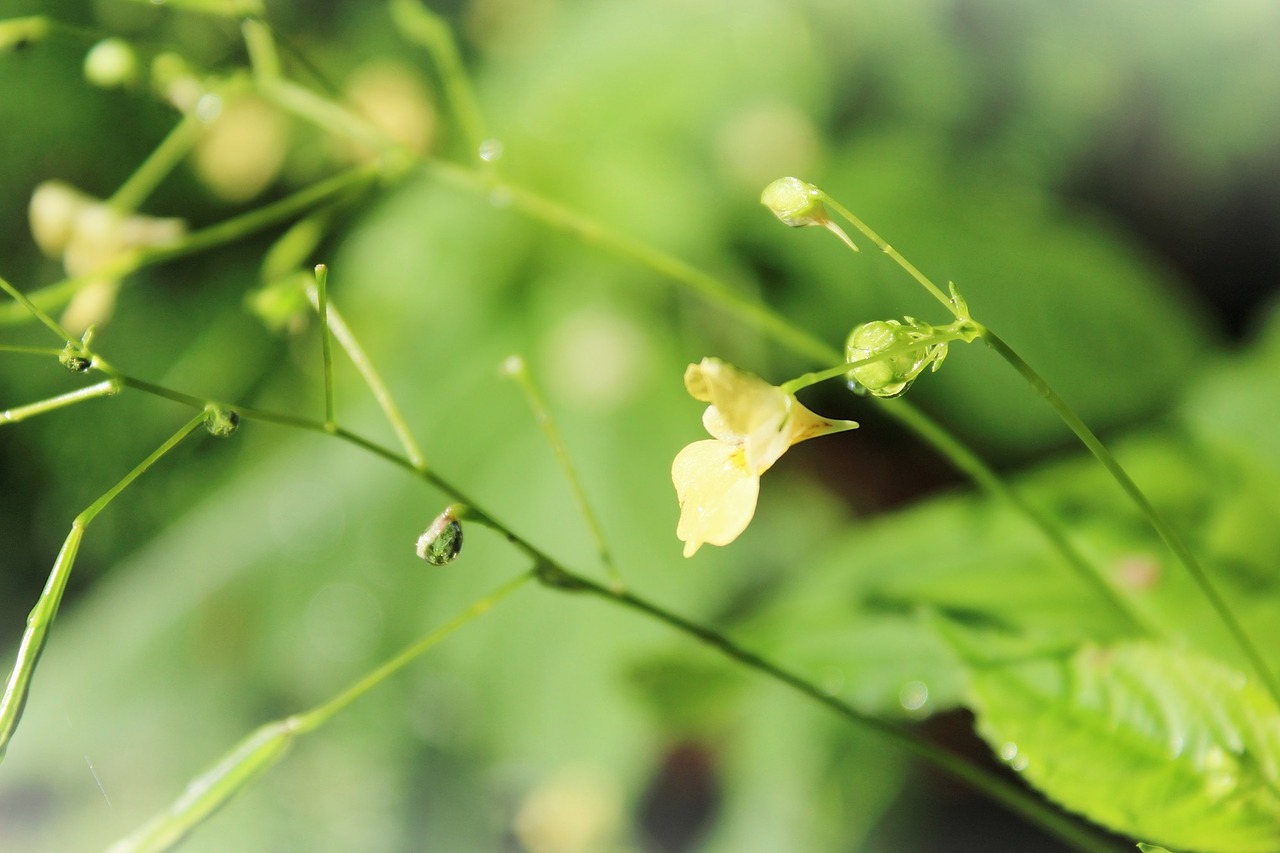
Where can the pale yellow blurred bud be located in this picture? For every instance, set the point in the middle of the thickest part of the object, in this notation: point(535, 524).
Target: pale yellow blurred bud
point(100, 233)
point(241, 153)
point(54, 209)
point(92, 305)
point(574, 811)
point(111, 63)
point(394, 98)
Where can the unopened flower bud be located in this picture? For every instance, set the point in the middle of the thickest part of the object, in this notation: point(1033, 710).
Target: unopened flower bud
point(53, 212)
point(795, 202)
point(111, 63)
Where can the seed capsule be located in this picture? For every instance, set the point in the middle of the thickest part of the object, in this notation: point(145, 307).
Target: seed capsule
point(442, 541)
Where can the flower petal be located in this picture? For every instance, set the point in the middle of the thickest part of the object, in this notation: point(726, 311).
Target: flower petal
point(717, 493)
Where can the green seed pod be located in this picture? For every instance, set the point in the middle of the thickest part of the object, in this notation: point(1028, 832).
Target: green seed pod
point(892, 375)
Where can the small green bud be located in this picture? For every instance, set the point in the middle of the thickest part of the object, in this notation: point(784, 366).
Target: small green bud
point(892, 375)
point(110, 64)
point(221, 422)
point(795, 202)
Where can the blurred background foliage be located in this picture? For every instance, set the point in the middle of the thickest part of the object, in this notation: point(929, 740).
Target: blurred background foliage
point(1101, 180)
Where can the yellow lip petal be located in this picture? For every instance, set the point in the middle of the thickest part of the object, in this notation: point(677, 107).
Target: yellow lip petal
point(717, 493)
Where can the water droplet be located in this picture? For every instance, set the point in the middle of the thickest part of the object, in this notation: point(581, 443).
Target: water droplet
point(1008, 752)
point(74, 359)
point(442, 541)
point(490, 150)
point(209, 107)
point(500, 197)
point(221, 422)
point(913, 695)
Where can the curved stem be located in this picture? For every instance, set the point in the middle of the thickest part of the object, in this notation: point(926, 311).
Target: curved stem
point(910, 268)
point(264, 746)
point(40, 620)
point(1016, 799)
point(552, 574)
point(1153, 516)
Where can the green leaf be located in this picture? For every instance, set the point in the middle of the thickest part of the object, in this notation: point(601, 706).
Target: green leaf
point(1148, 740)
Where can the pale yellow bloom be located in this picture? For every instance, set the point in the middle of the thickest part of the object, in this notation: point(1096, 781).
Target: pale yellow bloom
point(752, 423)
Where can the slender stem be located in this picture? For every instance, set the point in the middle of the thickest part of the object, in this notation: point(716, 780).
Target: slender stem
point(228, 231)
point(893, 253)
point(1153, 516)
point(263, 747)
point(516, 368)
point(30, 309)
point(324, 113)
point(321, 714)
point(596, 234)
point(326, 348)
point(25, 350)
point(347, 340)
point(419, 24)
point(966, 461)
point(39, 621)
point(102, 389)
point(259, 41)
point(999, 789)
point(159, 163)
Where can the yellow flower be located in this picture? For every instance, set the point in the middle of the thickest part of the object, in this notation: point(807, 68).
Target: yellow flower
point(752, 423)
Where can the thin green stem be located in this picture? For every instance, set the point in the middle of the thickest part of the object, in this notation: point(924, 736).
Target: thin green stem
point(326, 114)
point(20, 413)
point(1153, 516)
point(321, 714)
point(347, 340)
point(966, 461)
point(159, 163)
point(39, 621)
point(266, 745)
point(893, 253)
point(30, 309)
point(596, 234)
point(326, 347)
point(228, 231)
point(259, 41)
point(516, 368)
point(996, 787)
point(25, 350)
point(422, 26)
